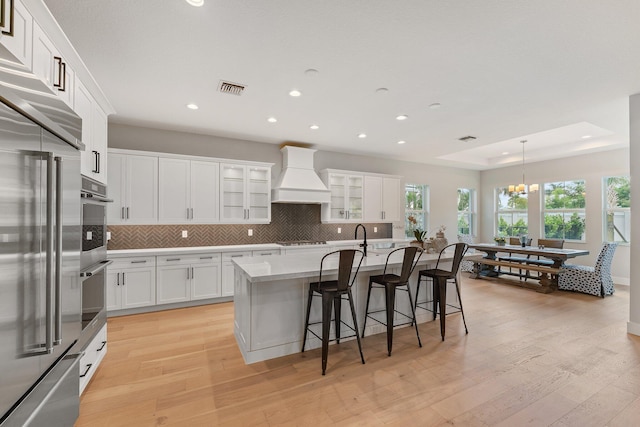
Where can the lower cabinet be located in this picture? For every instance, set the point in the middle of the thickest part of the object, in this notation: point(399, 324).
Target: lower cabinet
point(131, 283)
point(93, 355)
point(187, 278)
point(228, 271)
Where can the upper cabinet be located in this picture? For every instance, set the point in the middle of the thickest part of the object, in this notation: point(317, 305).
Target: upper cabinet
point(245, 193)
point(381, 198)
point(188, 191)
point(361, 197)
point(133, 186)
point(94, 133)
point(51, 67)
point(346, 196)
point(16, 34)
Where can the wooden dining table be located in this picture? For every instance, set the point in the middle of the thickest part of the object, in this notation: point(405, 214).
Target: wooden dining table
point(548, 282)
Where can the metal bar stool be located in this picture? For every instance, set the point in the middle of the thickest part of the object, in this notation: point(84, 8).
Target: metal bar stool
point(439, 277)
point(390, 283)
point(332, 292)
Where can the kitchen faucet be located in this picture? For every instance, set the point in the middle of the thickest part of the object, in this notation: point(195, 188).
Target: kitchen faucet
point(363, 244)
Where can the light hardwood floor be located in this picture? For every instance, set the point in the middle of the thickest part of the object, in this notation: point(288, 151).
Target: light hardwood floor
point(561, 359)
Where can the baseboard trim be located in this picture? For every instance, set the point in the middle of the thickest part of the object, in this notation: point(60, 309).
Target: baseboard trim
point(633, 328)
point(624, 281)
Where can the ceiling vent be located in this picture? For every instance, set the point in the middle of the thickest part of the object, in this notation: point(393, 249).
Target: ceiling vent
point(467, 138)
point(232, 88)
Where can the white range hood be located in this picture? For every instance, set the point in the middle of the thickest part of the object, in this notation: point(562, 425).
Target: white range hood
point(299, 182)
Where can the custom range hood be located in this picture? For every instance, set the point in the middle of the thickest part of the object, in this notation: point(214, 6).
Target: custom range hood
point(298, 182)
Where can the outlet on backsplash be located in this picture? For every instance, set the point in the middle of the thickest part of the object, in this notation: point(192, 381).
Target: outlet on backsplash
point(249, 232)
point(185, 233)
point(339, 230)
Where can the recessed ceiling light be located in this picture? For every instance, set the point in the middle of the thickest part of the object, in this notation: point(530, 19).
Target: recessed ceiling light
point(402, 117)
point(192, 106)
point(272, 120)
point(362, 135)
point(314, 127)
point(435, 106)
point(382, 90)
point(196, 3)
point(295, 92)
point(402, 142)
point(504, 153)
point(311, 72)
point(586, 136)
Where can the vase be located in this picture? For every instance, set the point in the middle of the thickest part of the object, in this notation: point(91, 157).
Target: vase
point(440, 235)
point(500, 243)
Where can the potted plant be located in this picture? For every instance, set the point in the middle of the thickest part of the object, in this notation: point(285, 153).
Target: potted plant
point(500, 241)
point(418, 234)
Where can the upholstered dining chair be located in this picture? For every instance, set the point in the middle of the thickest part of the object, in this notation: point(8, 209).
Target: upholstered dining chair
point(467, 265)
point(590, 280)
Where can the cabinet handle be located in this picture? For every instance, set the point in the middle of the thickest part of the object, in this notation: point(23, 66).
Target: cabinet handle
point(122, 278)
point(95, 161)
point(187, 213)
point(122, 213)
point(59, 61)
point(188, 273)
point(98, 162)
point(102, 346)
point(127, 212)
point(86, 371)
point(236, 256)
point(206, 257)
point(191, 213)
point(192, 275)
point(139, 262)
point(2, 23)
point(173, 259)
point(117, 279)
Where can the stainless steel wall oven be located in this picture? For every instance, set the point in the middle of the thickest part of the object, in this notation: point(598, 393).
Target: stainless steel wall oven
point(93, 259)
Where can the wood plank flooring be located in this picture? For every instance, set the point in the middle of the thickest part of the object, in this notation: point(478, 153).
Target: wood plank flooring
point(559, 359)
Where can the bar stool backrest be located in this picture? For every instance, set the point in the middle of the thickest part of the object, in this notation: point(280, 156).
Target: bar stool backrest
point(461, 249)
point(345, 267)
point(409, 261)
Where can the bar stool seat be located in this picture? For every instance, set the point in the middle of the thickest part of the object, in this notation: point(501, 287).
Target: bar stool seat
point(390, 283)
point(332, 293)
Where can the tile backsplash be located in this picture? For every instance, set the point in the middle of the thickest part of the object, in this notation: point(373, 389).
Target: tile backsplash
point(288, 222)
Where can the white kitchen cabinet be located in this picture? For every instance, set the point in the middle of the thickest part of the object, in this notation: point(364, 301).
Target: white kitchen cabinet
point(186, 278)
point(133, 186)
point(131, 283)
point(381, 198)
point(245, 193)
point(50, 67)
point(346, 196)
point(16, 36)
point(228, 270)
point(94, 134)
point(93, 355)
point(188, 191)
point(266, 252)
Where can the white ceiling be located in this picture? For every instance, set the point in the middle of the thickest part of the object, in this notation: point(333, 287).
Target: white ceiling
point(546, 71)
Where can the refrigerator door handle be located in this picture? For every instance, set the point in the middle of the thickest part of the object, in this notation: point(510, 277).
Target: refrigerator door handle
point(58, 272)
point(49, 248)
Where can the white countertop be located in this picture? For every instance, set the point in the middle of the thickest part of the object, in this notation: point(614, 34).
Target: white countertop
point(271, 268)
point(230, 248)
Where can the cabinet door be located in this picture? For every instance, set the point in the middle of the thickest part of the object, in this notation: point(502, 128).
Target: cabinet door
point(83, 108)
point(354, 197)
point(259, 194)
point(115, 189)
point(205, 281)
point(43, 53)
point(233, 189)
point(204, 191)
point(99, 127)
point(338, 188)
point(141, 190)
point(18, 40)
point(228, 271)
point(391, 205)
point(173, 191)
point(373, 198)
point(138, 288)
point(173, 284)
point(113, 289)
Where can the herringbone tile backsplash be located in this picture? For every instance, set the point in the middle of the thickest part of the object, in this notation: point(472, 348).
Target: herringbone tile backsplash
point(288, 222)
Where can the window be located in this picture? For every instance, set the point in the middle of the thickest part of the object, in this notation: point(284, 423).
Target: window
point(617, 209)
point(564, 210)
point(466, 211)
point(512, 218)
point(416, 205)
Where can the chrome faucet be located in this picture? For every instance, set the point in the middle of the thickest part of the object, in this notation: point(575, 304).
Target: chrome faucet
point(363, 244)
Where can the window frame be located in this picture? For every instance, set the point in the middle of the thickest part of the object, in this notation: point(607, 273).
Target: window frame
point(606, 210)
point(512, 211)
point(423, 213)
point(471, 213)
point(563, 212)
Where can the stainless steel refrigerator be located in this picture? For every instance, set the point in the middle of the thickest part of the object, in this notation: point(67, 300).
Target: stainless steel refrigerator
point(40, 288)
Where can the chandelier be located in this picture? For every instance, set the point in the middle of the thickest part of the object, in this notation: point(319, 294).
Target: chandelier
point(522, 187)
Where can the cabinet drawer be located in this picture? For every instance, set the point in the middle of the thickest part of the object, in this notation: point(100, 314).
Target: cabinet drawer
point(206, 258)
point(93, 355)
point(266, 252)
point(228, 256)
point(134, 262)
point(175, 260)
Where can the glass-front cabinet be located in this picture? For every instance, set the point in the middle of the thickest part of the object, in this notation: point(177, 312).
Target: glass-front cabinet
point(346, 197)
point(246, 193)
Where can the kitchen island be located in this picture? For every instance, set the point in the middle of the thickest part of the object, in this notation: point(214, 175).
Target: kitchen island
point(270, 298)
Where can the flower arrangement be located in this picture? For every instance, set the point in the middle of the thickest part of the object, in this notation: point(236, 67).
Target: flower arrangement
point(417, 233)
point(500, 240)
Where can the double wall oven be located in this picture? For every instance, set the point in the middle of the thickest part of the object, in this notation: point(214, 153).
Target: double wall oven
point(93, 260)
